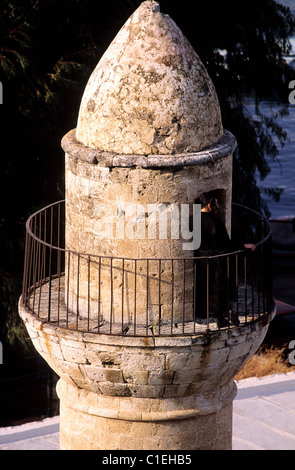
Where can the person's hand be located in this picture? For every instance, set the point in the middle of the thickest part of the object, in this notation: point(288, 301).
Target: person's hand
point(250, 246)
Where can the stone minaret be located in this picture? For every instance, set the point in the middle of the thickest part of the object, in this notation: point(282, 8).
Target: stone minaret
point(149, 132)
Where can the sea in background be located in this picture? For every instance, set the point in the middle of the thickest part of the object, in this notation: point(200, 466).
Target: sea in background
point(282, 174)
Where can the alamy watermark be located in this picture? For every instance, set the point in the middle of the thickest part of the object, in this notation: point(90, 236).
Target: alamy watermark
point(151, 221)
point(292, 353)
point(292, 94)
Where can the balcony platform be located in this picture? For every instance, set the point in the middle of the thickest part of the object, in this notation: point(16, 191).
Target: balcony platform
point(250, 309)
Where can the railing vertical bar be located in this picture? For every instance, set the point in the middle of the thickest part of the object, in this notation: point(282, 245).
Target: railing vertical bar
point(122, 311)
point(228, 286)
point(99, 294)
point(183, 297)
point(270, 262)
point(172, 295)
point(42, 267)
point(30, 272)
point(58, 275)
point(259, 279)
point(50, 280)
point(51, 225)
point(207, 291)
point(253, 256)
point(245, 286)
point(111, 312)
point(25, 271)
point(263, 270)
point(58, 226)
point(41, 279)
point(78, 290)
point(194, 294)
point(159, 297)
point(135, 293)
point(68, 288)
point(88, 294)
point(147, 296)
point(237, 282)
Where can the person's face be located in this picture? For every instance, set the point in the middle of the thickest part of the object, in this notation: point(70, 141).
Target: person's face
point(213, 206)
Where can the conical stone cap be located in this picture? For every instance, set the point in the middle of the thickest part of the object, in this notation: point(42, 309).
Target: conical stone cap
point(149, 93)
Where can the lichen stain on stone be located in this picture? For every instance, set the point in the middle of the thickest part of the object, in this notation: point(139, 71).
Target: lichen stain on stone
point(149, 93)
point(91, 105)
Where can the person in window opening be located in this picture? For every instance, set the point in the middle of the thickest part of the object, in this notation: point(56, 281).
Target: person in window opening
point(214, 241)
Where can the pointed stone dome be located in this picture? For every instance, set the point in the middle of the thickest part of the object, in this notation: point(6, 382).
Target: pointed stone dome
point(149, 93)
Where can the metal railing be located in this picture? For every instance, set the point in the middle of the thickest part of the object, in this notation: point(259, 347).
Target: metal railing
point(132, 296)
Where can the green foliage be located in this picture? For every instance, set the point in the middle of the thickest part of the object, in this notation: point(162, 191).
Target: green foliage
point(13, 334)
point(242, 45)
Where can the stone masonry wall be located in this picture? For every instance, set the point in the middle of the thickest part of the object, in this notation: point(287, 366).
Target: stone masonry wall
point(147, 367)
point(92, 186)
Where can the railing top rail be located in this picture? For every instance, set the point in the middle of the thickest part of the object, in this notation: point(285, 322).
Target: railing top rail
point(66, 250)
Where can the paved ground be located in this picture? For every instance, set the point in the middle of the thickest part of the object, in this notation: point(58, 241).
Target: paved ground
point(263, 419)
point(39, 435)
point(264, 413)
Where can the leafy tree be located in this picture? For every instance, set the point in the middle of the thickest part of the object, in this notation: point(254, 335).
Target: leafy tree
point(242, 45)
point(44, 62)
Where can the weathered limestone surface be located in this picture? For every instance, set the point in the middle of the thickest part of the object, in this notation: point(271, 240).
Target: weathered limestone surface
point(146, 367)
point(150, 392)
point(174, 431)
point(93, 194)
point(149, 93)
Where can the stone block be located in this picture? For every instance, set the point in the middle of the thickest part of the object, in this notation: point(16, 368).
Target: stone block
point(164, 377)
point(75, 355)
point(135, 376)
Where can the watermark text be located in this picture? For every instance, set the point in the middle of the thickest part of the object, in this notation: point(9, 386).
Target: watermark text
point(292, 94)
point(292, 353)
point(152, 221)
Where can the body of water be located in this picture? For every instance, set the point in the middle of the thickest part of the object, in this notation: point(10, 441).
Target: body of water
point(282, 173)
